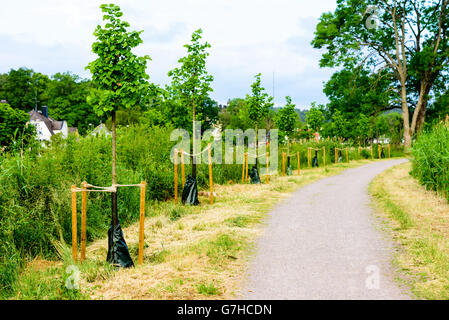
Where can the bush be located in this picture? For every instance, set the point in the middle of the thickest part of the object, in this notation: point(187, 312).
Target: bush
point(431, 159)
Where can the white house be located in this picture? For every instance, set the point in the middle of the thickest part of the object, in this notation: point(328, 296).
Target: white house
point(46, 126)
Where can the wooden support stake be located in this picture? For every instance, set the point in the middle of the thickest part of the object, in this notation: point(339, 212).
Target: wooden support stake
point(371, 151)
point(283, 163)
point(176, 175)
point(299, 163)
point(336, 155)
point(183, 173)
point(74, 223)
point(83, 221)
point(268, 169)
point(324, 158)
point(378, 149)
point(243, 168)
point(246, 170)
point(211, 181)
point(142, 220)
point(308, 157)
point(347, 155)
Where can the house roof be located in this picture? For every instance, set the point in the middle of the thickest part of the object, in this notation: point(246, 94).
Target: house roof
point(51, 123)
point(37, 116)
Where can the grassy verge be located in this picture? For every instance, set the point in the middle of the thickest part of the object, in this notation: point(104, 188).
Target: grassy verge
point(190, 252)
point(419, 222)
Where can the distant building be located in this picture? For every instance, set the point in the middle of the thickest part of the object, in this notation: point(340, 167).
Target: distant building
point(100, 130)
point(46, 126)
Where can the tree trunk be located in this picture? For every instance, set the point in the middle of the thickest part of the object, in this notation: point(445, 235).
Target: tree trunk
point(114, 172)
point(405, 119)
point(257, 145)
point(193, 148)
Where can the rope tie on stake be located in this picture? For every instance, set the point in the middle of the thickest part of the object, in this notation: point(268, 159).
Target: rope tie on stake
point(194, 155)
point(74, 189)
point(257, 156)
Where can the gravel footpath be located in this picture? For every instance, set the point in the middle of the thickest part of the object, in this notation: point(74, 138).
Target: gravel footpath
point(324, 242)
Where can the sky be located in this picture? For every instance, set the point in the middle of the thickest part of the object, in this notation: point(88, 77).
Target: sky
point(248, 37)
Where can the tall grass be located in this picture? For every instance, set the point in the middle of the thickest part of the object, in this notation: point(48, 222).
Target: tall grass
point(431, 159)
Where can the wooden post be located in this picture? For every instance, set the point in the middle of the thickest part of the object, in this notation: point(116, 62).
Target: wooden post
point(175, 158)
point(83, 221)
point(378, 150)
point(308, 157)
point(74, 223)
point(299, 163)
point(211, 181)
point(324, 158)
point(388, 151)
point(283, 163)
point(246, 170)
point(243, 168)
point(347, 155)
point(336, 155)
point(268, 169)
point(142, 220)
point(183, 173)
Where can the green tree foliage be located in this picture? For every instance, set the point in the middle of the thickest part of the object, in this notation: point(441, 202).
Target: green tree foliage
point(12, 123)
point(258, 103)
point(235, 116)
point(24, 89)
point(190, 86)
point(67, 100)
point(286, 118)
point(315, 117)
point(339, 125)
point(118, 73)
point(364, 129)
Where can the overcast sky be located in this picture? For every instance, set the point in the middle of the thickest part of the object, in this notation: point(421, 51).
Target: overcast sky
point(247, 37)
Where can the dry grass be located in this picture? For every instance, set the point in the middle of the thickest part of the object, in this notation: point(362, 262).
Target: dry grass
point(419, 222)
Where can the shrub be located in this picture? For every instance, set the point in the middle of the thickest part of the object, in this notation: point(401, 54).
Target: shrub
point(430, 164)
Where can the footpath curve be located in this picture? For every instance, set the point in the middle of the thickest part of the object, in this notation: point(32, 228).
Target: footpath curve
point(324, 242)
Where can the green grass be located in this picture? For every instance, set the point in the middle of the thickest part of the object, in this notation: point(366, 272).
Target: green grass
point(394, 210)
point(207, 289)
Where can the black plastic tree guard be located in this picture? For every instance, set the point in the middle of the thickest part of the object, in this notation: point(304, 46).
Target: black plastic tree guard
point(190, 192)
point(254, 175)
point(118, 253)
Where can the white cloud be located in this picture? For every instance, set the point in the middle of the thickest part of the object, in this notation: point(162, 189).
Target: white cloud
point(247, 37)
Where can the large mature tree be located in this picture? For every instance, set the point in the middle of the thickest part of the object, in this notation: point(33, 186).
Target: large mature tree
point(407, 38)
point(191, 83)
point(12, 123)
point(24, 89)
point(66, 94)
point(119, 75)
